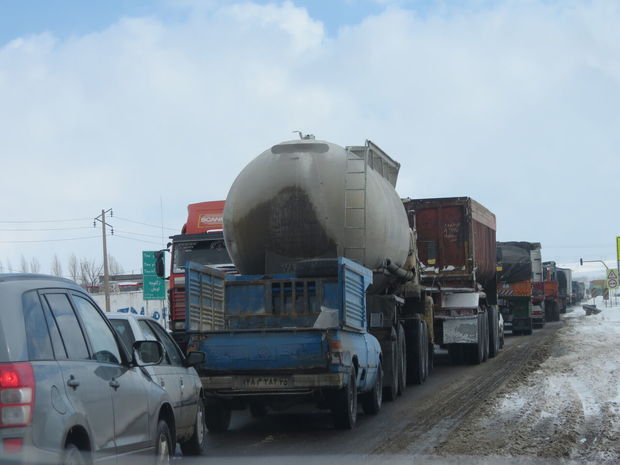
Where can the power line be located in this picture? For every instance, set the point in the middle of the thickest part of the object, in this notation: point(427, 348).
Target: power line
point(42, 221)
point(52, 240)
point(144, 224)
point(138, 240)
point(44, 229)
point(138, 234)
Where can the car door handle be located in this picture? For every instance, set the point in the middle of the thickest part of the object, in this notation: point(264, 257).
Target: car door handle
point(115, 384)
point(74, 383)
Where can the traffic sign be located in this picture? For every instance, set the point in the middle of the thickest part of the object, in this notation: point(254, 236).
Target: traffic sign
point(154, 287)
point(612, 283)
point(612, 278)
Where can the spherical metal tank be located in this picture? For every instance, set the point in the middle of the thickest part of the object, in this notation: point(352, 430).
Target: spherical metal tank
point(304, 199)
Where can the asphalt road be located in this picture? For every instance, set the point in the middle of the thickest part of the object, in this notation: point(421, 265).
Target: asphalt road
point(412, 425)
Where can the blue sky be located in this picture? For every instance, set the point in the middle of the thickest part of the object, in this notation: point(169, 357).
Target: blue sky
point(75, 17)
point(146, 107)
point(64, 18)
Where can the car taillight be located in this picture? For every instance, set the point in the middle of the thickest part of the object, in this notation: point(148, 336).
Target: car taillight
point(16, 394)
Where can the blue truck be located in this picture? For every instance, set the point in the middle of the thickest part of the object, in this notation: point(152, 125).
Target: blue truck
point(272, 341)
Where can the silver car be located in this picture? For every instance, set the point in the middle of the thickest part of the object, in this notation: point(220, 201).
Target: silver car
point(69, 390)
point(175, 374)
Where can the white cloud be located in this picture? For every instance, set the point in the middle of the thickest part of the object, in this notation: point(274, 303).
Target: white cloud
point(509, 104)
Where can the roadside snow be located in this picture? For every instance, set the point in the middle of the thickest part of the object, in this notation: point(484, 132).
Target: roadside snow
point(568, 406)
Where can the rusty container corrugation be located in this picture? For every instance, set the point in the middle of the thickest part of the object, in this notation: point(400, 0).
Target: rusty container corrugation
point(308, 199)
point(456, 242)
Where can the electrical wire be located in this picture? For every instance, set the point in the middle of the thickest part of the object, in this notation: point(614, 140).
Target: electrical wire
point(45, 229)
point(137, 234)
point(137, 240)
point(51, 240)
point(144, 224)
point(43, 221)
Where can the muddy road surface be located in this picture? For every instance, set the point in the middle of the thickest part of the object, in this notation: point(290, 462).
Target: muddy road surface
point(421, 423)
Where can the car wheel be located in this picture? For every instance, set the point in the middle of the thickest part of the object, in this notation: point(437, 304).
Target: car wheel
point(372, 400)
point(73, 456)
point(197, 444)
point(163, 444)
point(345, 404)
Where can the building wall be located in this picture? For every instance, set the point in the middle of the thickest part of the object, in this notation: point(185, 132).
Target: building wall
point(132, 302)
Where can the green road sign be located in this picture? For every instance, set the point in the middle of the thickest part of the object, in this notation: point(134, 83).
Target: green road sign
point(154, 287)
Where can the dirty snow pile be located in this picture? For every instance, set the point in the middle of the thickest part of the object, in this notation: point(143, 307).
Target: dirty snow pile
point(569, 405)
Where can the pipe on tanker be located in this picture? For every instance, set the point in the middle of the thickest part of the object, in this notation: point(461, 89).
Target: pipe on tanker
point(402, 273)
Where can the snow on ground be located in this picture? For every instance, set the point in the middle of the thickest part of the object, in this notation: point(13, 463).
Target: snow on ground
point(568, 406)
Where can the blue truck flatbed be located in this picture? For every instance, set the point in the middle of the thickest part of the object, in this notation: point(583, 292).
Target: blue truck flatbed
point(279, 339)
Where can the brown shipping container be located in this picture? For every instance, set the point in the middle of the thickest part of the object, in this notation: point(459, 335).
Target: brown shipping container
point(456, 243)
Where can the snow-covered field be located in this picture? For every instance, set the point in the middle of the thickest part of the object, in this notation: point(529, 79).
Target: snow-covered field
point(568, 406)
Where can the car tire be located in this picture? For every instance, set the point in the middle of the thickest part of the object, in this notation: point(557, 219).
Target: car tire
point(197, 443)
point(371, 402)
point(163, 444)
point(74, 456)
point(345, 404)
point(217, 415)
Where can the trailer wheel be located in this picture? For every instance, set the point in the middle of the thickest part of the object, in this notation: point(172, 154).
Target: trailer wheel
point(402, 365)
point(390, 391)
point(431, 357)
point(493, 332)
point(485, 338)
point(528, 331)
point(217, 415)
point(344, 409)
point(415, 354)
point(371, 401)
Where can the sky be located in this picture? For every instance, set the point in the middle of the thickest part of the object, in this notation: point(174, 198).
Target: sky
point(146, 106)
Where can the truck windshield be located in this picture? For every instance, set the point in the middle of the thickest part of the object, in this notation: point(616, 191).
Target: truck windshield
point(204, 252)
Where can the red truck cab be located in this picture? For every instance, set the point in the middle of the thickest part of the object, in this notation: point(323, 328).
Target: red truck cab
point(201, 241)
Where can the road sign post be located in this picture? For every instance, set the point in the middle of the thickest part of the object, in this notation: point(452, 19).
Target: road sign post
point(154, 287)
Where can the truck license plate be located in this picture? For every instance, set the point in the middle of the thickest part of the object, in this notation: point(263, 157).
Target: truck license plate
point(264, 382)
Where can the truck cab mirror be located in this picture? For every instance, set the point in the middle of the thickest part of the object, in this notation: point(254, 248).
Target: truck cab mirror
point(159, 263)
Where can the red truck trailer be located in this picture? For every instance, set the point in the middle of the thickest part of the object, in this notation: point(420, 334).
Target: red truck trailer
point(456, 249)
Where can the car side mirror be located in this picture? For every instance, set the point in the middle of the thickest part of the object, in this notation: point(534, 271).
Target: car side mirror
point(147, 353)
point(195, 358)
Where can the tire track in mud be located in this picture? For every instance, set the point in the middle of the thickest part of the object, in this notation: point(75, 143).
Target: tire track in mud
point(442, 412)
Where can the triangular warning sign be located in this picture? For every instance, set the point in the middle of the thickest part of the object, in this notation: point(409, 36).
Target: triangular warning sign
point(612, 274)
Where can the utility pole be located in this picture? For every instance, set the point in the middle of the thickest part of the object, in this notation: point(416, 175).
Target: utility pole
point(106, 274)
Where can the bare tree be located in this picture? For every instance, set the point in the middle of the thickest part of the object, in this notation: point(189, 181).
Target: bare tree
point(35, 266)
point(23, 266)
point(9, 267)
point(74, 268)
point(113, 266)
point(89, 272)
point(56, 266)
point(1, 268)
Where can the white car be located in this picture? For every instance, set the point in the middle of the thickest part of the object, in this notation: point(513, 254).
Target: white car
point(176, 374)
